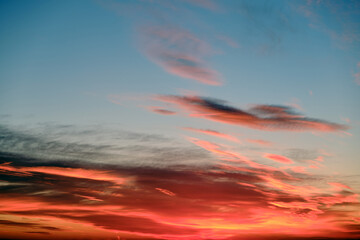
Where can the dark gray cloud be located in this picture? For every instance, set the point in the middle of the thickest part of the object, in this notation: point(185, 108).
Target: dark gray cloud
point(66, 142)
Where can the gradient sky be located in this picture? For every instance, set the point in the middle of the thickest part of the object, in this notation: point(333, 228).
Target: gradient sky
point(183, 119)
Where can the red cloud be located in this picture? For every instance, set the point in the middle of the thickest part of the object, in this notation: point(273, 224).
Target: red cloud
point(263, 117)
point(167, 192)
point(182, 202)
point(206, 199)
point(277, 158)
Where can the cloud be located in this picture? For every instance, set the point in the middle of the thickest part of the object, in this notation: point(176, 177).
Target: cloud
point(162, 201)
point(207, 4)
point(96, 144)
point(170, 203)
point(66, 172)
point(299, 169)
point(229, 41)
point(259, 141)
point(180, 53)
point(278, 158)
point(161, 111)
point(357, 75)
point(262, 117)
point(337, 19)
point(339, 186)
point(213, 133)
point(267, 23)
point(165, 191)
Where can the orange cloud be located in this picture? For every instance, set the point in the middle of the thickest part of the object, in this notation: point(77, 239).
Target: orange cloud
point(66, 172)
point(177, 202)
point(278, 158)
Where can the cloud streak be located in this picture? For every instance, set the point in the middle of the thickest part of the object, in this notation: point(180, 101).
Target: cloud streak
point(262, 117)
point(213, 133)
point(278, 158)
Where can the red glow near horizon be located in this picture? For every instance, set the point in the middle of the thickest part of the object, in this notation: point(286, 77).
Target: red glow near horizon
point(187, 204)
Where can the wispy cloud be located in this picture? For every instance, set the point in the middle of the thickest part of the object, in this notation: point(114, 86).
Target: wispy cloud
point(95, 144)
point(259, 141)
point(162, 111)
point(229, 41)
point(66, 172)
point(207, 4)
point(180, 53)
point(213, 133)
point(278, 158)
point(357, 75)
point(268, 23)
point(262, 117)
point(337, 19)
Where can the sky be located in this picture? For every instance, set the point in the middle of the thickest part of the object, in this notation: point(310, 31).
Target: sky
point(179, 120)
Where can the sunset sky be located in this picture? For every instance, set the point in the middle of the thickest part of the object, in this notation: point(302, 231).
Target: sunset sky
point(180, 120)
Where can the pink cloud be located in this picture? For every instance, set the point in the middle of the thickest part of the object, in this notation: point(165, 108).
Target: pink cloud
point(357, 78)
point(208, 4)
point(259, 141)
point(299, 169)
point(262, 117)
point(213, 133)
point(339, 186)
point(180, 53)
point(278, 158)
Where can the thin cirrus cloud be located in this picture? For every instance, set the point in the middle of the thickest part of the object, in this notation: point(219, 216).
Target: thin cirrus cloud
point(161, 111)
point(213, 133)
point(262, 117)
point(207, 4)
point(337, 19)
point(357, 75)
point(179, 52)
point(67, 172)
point(259, 141)
point(278, 158)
